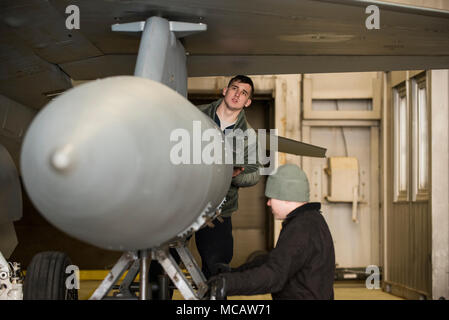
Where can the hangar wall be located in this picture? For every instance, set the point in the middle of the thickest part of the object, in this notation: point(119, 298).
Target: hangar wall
point(410, 236)
point(415, 183)
point(407, 235)
point(341, 112)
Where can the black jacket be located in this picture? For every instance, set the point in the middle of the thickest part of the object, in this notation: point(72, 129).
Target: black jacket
point(301, 266)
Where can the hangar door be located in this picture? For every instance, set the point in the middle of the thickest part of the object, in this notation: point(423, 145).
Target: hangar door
point(346, 183)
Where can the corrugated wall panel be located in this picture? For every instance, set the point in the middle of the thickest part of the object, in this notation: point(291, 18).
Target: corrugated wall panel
point(408, 232)
point(409, 247)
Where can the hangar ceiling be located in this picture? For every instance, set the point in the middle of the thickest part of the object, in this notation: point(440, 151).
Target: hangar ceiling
point(39, 55)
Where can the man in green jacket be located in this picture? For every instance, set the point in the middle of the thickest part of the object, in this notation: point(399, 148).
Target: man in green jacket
point(215, 245)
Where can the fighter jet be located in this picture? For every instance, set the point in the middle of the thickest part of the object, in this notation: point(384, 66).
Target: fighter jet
point(95, 160)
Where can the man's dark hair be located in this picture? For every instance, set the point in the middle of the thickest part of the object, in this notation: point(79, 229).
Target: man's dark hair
point(243, 79)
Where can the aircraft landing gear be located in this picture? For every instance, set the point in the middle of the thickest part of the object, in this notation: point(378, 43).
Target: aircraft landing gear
point(46, 278)
point(10, 280)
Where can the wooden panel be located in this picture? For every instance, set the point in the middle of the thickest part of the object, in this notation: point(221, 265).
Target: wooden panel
point(293, 113)
point(340, 123)
point(369, 86)
point(351, 85)
point(287, 120)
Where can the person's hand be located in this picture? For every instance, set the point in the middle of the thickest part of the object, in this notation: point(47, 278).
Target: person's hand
point(237, 171)
point(217, 287)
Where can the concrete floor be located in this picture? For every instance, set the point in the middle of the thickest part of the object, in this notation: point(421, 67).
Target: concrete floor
point(344, 290)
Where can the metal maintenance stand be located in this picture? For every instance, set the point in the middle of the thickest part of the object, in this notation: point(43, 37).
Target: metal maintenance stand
point(139, 262)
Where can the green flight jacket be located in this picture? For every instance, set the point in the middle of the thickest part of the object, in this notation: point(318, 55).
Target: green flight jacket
point(250, 176)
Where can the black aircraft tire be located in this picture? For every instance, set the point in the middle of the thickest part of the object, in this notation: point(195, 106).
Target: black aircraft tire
point(46, 276)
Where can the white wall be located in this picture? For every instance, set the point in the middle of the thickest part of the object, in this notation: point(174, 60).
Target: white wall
point(440, 183)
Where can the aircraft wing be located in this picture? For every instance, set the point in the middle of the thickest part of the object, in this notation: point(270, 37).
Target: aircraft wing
point(39, 55)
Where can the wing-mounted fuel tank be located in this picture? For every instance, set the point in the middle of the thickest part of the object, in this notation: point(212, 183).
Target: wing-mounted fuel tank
point(98, 163)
